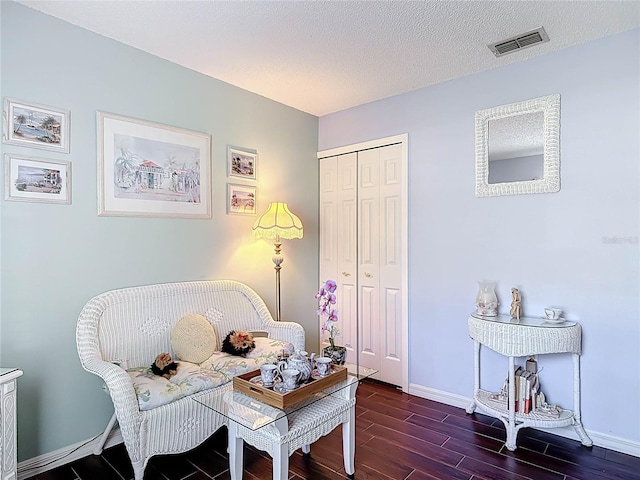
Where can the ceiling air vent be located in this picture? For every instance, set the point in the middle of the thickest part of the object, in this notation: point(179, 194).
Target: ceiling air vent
point(519, 42)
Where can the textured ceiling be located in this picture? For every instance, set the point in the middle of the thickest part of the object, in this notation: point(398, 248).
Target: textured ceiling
point(325, 56)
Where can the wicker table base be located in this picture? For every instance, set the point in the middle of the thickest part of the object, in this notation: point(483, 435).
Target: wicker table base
point(291, 430)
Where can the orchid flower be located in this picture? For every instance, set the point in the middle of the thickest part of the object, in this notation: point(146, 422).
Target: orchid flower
point(326, 298)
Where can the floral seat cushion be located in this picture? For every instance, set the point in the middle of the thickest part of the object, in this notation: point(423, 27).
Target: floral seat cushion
point(154, 390)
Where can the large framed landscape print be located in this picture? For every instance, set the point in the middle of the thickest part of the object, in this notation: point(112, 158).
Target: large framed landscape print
point(147, 169)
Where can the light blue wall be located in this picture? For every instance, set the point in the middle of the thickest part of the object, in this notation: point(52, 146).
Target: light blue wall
point(55, 257)
point(577, 248)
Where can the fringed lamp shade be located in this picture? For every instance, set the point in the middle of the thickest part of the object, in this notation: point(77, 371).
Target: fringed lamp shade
point(278, 223)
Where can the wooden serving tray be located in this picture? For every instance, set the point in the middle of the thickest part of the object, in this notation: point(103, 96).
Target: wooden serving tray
point(241, 383)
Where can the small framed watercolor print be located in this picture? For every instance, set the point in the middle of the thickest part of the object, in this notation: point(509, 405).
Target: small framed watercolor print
point(242, 164)
point(38, 126)
point(29, 179)
point(241, 199)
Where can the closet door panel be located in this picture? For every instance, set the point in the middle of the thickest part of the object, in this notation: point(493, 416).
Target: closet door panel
point(369, 257)
point(346, 275)
point(328, 218)
point(390, 264)
point(347, 304)
point(328, 225)
point(369, 355)
point(391, 325)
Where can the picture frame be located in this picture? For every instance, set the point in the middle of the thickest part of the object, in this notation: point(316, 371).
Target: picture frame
point(148, 169)
point(242, 163)
point(33, 125)
point(241, 199)
point(30, 179)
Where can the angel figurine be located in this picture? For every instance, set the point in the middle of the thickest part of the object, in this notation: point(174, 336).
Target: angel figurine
point(516, 301)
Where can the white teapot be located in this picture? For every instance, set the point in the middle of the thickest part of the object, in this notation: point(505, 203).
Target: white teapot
point(301, 362)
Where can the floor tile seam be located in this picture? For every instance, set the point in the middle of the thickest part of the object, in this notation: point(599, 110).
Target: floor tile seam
point(113, 467)
point(408, 434)
point(422, 454)
point(463, 455)
point(448, 425)
point(75, 473)
point(518, 460)
point(198, 470)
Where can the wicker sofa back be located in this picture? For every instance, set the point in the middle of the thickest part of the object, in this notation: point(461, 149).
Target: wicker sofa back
point(128, 327)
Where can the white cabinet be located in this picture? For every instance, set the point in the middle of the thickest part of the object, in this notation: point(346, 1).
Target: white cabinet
point(8, 449)
point(528, 336)
point(361, 247)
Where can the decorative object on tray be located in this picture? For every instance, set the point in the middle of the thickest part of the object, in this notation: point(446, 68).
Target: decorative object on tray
point(516, 304)
point(487, 301)
point(250, 384)
point(290, 378)
point(326, 299)
point(323, 366)
point(268, 374)
point(301, 362)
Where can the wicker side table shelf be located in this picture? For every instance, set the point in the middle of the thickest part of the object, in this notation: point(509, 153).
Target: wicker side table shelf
point(529, 336)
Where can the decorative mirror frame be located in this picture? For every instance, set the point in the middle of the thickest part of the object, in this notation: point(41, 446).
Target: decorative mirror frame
point(550, 182)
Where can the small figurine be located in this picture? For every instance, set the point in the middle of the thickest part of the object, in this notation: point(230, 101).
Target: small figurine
point(238, 342)
point(516, 304)
point(164, 366)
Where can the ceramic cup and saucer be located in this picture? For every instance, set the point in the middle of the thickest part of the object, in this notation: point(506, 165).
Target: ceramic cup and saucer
point(553, 315)
point(555, 320)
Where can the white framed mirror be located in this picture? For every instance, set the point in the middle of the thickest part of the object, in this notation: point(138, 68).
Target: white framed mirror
point(518, 148)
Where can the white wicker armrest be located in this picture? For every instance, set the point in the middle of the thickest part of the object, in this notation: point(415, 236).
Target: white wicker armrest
point(287, 331)
point(119, 385)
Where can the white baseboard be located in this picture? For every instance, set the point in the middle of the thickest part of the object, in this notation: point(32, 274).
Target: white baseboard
point(62, 456)
point(604, 440)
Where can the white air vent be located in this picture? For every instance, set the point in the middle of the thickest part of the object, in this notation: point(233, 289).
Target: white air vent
point(519, 42)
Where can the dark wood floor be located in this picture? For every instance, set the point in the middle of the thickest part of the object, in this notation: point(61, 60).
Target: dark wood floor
point(398, 436)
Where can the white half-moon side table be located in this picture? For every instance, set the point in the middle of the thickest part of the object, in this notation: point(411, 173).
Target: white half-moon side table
point(8, 402)
point(521, 338)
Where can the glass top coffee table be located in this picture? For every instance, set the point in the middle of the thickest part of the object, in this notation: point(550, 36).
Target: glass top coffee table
point(280, 432)
point(254, 414)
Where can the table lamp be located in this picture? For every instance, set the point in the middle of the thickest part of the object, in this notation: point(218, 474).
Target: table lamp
point(277, 223)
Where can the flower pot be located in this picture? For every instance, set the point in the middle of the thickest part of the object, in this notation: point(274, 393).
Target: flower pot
point(338, 355)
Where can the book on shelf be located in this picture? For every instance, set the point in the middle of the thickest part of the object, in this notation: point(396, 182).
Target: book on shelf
point(524, 383)
point(528, 394)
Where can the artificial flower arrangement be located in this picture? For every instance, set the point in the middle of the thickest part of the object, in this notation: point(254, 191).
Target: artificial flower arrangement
point(326, 299)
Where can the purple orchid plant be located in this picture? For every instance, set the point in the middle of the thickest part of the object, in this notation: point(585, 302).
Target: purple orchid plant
point(326, 299)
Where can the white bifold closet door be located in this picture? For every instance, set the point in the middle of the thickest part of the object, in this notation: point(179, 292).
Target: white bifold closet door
point(360, 243)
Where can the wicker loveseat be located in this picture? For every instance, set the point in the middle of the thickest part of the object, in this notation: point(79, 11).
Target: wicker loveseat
point(120, 332)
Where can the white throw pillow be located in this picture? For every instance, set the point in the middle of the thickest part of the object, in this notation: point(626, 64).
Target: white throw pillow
point(193, 338)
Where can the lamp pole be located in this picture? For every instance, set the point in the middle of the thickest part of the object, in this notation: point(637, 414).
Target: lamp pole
point(277, 260)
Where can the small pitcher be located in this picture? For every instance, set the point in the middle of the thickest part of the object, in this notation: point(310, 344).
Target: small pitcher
point(301, 362)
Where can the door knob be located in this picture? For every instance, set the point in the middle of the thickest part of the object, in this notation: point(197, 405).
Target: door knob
point(346, 274)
